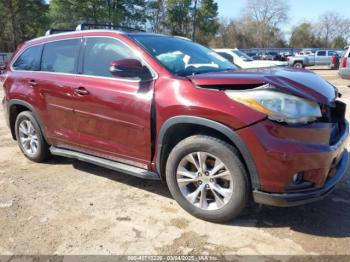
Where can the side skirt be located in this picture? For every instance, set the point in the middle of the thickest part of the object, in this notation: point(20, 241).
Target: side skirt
point(116, 166)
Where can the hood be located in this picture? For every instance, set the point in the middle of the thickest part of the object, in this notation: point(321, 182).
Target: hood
point(299, 82)
point(263, 64)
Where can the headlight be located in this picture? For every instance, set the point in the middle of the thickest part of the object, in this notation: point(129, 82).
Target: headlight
point(278, 106)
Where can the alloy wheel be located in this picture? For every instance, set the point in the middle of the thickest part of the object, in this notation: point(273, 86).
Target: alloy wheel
point(28, 137)
point(204, 180)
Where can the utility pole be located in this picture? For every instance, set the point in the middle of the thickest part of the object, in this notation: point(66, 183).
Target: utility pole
point(194, 20)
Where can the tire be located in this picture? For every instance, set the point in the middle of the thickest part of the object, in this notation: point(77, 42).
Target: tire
point(211, 209)
point(28, 129)
point(298, 65)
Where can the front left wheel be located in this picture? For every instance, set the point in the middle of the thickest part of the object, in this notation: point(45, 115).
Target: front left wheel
point(30, 138)
point(207, 178)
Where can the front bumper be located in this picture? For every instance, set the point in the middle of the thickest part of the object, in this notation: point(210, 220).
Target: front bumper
point(294, 199)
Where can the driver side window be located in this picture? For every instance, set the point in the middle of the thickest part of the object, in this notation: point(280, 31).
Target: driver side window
point(99, 54)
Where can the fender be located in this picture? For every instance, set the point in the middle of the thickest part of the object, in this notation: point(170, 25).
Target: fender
point(13, 102)
point(229, 133)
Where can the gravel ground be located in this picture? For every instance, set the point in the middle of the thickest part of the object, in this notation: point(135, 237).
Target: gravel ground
point(70, 207)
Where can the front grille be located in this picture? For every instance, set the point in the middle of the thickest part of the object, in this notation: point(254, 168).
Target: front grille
point(336, 116)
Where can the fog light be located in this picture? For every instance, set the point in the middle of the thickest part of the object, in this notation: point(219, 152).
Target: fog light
point(298, 178)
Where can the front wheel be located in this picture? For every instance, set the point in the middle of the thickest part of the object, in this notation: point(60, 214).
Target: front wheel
point(207, 178)
point(298, 65)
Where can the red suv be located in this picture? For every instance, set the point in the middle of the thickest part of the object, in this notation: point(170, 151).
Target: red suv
point(162, 107)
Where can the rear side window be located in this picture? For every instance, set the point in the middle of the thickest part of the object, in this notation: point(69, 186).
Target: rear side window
point(99, 54)
point(29, 60)
point(61, 56)
point(331, 53)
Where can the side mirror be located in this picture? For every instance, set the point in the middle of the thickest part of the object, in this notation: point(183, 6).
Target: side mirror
point(129, 68)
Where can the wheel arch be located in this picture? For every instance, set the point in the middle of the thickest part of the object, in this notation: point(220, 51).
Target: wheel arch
point(15, 107)
point(299, 61)
point(220, 130)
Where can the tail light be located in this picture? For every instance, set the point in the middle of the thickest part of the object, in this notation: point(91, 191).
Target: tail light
point(343, 62)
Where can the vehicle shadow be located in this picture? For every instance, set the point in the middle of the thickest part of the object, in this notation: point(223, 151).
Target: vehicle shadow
point(152, 186)
point(329, 217)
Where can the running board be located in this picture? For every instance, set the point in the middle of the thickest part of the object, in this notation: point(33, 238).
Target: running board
point(116, 166)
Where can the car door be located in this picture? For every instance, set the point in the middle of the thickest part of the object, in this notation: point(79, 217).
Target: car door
point(57, 81)
point(113, 116)
point(321, 58)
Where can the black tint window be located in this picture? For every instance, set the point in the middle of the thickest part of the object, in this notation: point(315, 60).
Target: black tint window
point(100, 53)
point(61, 56)
point(29, 60)
point(227, 56)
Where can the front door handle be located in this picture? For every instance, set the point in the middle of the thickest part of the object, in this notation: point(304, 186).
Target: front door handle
point(32, 83)
point(81, 91)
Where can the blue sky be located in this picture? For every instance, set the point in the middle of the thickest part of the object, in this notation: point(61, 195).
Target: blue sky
point(300, 10)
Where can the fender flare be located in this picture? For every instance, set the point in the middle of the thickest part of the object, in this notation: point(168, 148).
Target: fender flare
point(223, 129)
point(14, 102)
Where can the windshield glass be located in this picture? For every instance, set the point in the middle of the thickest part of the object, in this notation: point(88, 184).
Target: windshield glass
point(242, 55)
point(183, 57)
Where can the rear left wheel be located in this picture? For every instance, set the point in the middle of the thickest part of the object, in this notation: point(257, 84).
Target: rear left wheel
point(30, 138)
point(207, 178)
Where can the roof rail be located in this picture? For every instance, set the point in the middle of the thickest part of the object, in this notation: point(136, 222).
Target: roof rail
point(87, 26)
point(57, 31)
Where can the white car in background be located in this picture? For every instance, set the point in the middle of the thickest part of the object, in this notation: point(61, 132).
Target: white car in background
point(244, 61)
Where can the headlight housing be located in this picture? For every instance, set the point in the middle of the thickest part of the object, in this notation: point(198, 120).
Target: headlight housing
point(278, 106)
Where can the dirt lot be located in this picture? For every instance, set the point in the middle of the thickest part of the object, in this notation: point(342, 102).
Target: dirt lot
point(70, 207)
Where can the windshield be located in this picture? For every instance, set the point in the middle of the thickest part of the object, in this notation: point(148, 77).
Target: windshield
point(183, 57)
point(242, 55)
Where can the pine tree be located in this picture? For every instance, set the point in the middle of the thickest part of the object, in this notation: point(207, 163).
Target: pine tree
point(205, 21)
point(178, 18)
point(21, 20)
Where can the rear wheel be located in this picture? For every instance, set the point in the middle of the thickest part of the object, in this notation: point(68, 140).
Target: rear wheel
point(207, 178)
point(30, 138)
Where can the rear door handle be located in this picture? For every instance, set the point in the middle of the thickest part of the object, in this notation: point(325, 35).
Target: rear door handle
point(81, 91)
point(32, 83)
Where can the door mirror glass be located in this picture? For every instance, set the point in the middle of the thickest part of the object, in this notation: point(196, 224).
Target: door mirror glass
point(129, 68)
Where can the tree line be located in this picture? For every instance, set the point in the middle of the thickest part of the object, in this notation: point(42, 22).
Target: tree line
point(21, 20)
point(259, 24)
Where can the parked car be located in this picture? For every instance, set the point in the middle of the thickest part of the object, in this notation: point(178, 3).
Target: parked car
point(286, 55)
point(335, 61)
point(242, 60)
point(161, 107)
point(275, 56)
point(4, 57)
point(320, 57)
point(344, 69)
point(254, 56)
